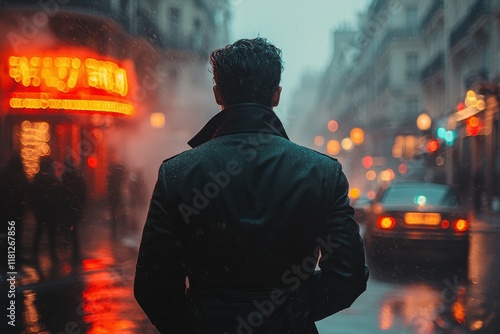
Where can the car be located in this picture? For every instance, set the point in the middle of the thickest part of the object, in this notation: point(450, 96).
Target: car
point(417, 220)
point(359, 205)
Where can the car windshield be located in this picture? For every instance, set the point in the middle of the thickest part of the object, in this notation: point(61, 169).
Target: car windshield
point(419, 195)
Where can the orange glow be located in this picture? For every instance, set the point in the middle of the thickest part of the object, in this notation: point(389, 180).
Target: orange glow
point(386, 223)
point(101, 302)
point(357, 136)
point(424, 122)
point(66, 104)
point(354, 193)
point(65, 73)
point(157, 120)
point(71, 80)
point(461, 225)
point(333, 147)
point(386, 175)
point(347, 144)
point(93, 264)
point(458, 307)
point(31, 314)
point(34, 144)
point(386, 317)
point(472, 126)
point(371, 194)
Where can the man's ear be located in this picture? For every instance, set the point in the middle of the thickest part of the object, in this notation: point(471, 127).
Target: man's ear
point(276, 97)
point(218, 96)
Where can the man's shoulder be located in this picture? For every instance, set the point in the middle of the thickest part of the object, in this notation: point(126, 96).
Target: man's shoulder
point(293, 149)
point(313, 154)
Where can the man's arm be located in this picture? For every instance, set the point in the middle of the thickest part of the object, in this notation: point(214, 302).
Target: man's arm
point(159, 285)
point(343, 273)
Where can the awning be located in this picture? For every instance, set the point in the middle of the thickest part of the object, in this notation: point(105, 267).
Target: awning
point(461, 115)
point(465, 113)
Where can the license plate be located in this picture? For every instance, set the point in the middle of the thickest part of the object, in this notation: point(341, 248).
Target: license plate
point(422, 218)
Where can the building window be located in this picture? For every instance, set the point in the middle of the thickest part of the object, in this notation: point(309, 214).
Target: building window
point(175, 17)
point(412, 66)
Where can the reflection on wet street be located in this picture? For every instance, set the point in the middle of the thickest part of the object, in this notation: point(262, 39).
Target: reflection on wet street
point(95, 296)
point(483, 293)
point(92, 296)
point(428, 297)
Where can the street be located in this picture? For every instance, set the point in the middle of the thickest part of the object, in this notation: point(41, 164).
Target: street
point(96, 296)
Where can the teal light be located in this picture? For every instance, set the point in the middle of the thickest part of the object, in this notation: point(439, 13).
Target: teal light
point(420, 200)
point(449, 137)
point(441, 132)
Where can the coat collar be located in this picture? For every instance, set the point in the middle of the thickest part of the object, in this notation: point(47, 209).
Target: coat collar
point(240, 118)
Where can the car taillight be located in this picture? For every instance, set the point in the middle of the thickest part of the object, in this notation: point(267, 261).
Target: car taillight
point(386, 222)
point(445, 224)
point(461, 225)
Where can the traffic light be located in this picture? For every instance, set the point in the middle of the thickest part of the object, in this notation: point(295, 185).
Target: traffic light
point(432, 146)
point(473, 126)
point(92, 162)
point(367, 161)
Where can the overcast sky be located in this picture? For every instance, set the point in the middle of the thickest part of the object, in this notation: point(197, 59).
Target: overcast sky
point(302, 29)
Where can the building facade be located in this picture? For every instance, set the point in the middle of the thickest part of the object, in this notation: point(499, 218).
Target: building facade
point(82, 80)
point(406, 60)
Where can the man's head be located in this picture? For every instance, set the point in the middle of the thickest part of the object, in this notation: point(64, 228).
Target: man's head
point(248, 70)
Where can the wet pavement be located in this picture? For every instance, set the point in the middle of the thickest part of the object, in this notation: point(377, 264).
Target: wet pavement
point(430, 298)
point(95, 295)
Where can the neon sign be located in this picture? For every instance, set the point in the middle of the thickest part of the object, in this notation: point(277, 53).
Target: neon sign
point(69, 84)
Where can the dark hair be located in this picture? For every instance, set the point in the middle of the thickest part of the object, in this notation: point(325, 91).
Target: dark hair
point(248, 70)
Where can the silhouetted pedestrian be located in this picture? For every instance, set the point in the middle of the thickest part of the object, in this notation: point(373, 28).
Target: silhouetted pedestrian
point(13, 190)
point(75, 198)
point(137, 195)
point(116, 176)
point(46, 205)
point(240, 209)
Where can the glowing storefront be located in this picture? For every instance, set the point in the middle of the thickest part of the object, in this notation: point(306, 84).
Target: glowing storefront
point(61, 103)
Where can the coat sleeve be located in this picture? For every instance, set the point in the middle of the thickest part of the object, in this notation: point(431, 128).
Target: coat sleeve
point(343, 274)
point(159, 285)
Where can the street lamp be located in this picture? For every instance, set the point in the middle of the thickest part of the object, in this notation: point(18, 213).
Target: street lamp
point(357, 136)
point(424, 122)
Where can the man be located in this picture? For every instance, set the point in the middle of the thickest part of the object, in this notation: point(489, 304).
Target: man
point(245, 215)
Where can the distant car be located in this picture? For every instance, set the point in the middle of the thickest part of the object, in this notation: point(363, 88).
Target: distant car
point(417, 220)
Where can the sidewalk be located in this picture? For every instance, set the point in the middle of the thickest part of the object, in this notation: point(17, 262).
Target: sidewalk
point(97, 245)
point(486, 223)
point(94, 295)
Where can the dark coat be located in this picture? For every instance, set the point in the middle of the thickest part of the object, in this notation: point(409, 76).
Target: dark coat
point(244, 215)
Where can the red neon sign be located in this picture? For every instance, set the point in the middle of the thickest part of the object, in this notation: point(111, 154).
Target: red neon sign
point(79, 83)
